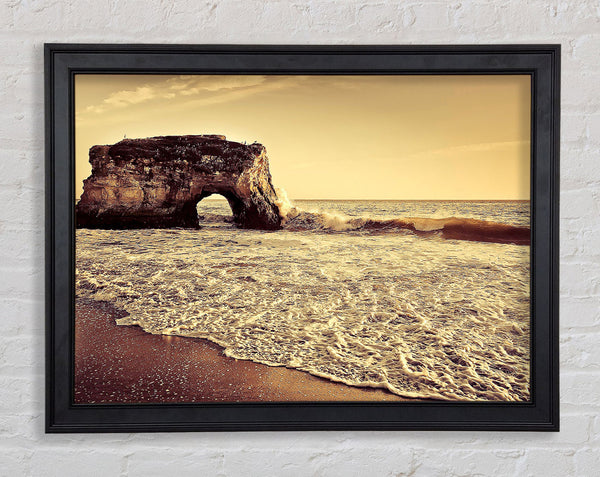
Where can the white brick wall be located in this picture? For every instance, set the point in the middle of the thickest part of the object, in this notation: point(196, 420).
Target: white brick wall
point(27, 24)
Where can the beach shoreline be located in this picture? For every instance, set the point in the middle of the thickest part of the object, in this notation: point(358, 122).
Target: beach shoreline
point(124, 364)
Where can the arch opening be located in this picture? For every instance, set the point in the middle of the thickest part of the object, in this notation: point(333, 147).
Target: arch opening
point(223, 207)
point(214, 210)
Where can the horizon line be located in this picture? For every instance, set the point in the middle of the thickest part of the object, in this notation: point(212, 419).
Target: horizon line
point(398, 200)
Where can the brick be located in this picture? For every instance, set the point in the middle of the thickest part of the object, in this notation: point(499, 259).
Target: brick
point(21, 429)
point(199, 17)
point(587, 462)
point(548, 462)
point(580, 311)
point(583, 168)
point(363, 461)
point(75, 463)
point(91, 15)
point(582, 53)
point(15, 462)
point(581, 89)
point(593, 130)
point(143, 463)
point(21, 247)
point(581, 279)
point(595, 432)
point(17, 395)
point(329, 15)
point(579, 239)
point(470, 462)
point(379, 17)
point(482, 16)
point(578, 203)
point(572, 241)
point(27, 87)
point(21, 282)
point(18, 167)
point(19, 355)
point(432, 16)
point(580, 389)
point(123, 12)
point(574, 430)
point(580, 351)
point(11, 50)
point(23, 207)
point(591, 241)
point(39, 16)
point(294, 463)
point(550, 18)
point(243, 16)
point(22, 317)
point(574, 128)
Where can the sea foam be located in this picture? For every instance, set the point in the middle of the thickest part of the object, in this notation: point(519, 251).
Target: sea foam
point(423, 317)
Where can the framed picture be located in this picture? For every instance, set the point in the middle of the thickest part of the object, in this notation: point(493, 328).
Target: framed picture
point(301, 237)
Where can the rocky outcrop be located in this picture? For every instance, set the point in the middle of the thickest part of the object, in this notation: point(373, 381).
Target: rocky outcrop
point(157, 182)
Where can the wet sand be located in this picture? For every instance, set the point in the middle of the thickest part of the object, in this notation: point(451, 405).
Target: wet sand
point(123, 364)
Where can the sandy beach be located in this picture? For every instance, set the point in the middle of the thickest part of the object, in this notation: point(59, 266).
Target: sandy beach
point(123, 364)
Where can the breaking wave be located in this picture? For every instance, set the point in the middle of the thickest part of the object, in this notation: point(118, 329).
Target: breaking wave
point(454, 228)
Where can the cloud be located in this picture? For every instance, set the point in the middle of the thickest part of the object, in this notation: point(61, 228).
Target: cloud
point(208, 89)
point(191, 84)
point(124, 98)
point(230, 92)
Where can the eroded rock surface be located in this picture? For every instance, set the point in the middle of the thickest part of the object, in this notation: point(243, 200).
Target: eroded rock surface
point(157, 182)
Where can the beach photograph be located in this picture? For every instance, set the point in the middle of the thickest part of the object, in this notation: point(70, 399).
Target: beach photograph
point(302, 238)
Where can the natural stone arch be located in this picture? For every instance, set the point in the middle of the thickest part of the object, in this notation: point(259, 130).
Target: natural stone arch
point(157, 182)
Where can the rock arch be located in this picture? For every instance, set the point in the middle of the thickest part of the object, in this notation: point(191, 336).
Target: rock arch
point(157, 182)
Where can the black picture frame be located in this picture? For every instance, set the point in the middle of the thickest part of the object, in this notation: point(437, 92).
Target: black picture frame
point(63, 61)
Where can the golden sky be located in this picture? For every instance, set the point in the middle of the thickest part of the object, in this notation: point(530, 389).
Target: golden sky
point(333, 137)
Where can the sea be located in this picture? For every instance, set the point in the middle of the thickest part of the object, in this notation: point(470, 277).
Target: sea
point(425, 299)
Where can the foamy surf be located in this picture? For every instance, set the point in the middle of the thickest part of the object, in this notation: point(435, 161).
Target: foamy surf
point(443, 319)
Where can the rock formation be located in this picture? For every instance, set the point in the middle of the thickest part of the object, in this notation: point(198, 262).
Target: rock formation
point(157, 182)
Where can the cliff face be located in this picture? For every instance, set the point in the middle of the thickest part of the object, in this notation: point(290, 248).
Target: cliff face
point(157, 182)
